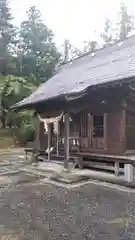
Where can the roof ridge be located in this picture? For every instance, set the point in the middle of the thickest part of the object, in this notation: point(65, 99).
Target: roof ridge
point(97, 50)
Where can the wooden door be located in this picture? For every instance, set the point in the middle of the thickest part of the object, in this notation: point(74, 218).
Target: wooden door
point(99, 132)
point(93, 132)
point(84, 136)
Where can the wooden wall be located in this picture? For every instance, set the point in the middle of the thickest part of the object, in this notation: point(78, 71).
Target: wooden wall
point(43, 137)
point(130, 130)
point(81, 125)
point(115, 131)
point(130, 124)
point(81, 128)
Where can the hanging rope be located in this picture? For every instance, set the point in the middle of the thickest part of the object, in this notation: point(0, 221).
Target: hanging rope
point(54, 120)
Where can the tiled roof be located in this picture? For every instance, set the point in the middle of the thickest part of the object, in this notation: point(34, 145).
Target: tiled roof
point(115, 62)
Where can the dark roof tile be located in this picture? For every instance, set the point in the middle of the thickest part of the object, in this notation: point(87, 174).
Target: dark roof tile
point(109, 64)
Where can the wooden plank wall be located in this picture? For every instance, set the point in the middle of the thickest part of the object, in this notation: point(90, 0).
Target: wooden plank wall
point(130, 130)
point(115, 131)
point(81, 129)
point(43, 137)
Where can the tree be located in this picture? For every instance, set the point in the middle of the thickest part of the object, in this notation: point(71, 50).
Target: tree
point(125, 24)
point(66, 50)
point(107, 34)
point(37, 51)
point(22, 125)
point(12, 90)
point(90, 46)
point(7, 34)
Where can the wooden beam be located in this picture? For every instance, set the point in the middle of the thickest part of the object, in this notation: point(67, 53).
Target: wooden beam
point(49, 140)
point(123, 129)
point(90, 129)
point(66, 140)
point(34, 156)
point(37, 132)
point(58, 138)
point(105, 131)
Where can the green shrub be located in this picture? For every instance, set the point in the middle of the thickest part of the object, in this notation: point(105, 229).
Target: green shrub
point(24, 126)
point(27, 133)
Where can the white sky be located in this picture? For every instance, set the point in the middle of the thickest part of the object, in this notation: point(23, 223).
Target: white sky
point(76, 20)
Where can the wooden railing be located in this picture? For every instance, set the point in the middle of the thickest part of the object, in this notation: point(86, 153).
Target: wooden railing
point(74, 143)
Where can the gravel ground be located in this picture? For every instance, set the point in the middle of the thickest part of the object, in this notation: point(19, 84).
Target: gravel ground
point(33, 210)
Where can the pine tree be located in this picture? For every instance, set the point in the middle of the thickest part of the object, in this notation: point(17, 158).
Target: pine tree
point(90, 46)
point(6, 34)
point(40, 55)
point(6, 28)
point(66, 50)
point(107, 34)
point(125, 24)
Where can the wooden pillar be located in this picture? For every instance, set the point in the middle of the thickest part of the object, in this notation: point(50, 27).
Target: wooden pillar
point(49, 140)
point(105, 131)
point(123, 130)
point(57, 138)
point(123, 125)
point(90, 129)
point(66, 141)
point(34, 156)
point(37, 133)
point(116, 168)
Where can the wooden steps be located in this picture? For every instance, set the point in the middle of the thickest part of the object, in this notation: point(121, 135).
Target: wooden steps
point(102, 162)
point(58, 158)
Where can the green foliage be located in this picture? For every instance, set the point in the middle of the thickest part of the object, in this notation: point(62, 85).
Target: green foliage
point(28, 56)
point(90, 46)
point(23, 118)
point(37, 51)
point(119, 30)
point(6, 27)
point(23, 121)
point(12, 90)
point(7, 35)
point(35, 34)
point(126, 23)
point(107, 34)
point(28, 50)
point(27, 133)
